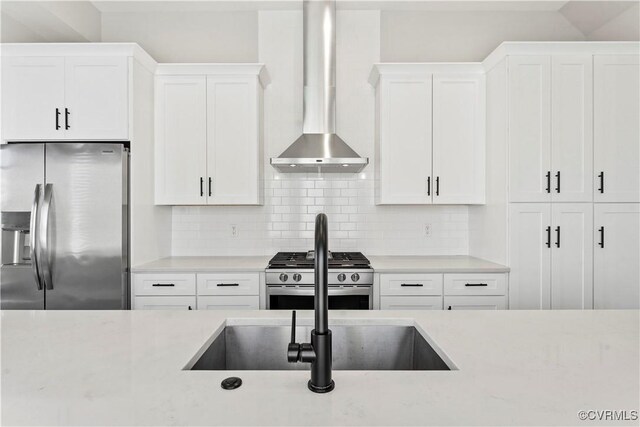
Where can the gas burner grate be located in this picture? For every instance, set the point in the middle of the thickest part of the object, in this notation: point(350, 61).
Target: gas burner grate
point(306, 260)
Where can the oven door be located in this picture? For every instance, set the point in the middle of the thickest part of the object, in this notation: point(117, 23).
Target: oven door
point(302, 298)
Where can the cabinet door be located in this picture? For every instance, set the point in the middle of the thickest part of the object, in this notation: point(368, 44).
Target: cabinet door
point(572, 128)
point(96, 98)
point(572, 256)
point(458, 138)
point(411, 303)
point(164, 303)
point(233, 141)
point(181, 140)
point(617, 250)
point(231, 302)
point(404, 139)
point(475, 303)
point(529, 128)
point(32, 94)
point(530, 256)
point(616, 128)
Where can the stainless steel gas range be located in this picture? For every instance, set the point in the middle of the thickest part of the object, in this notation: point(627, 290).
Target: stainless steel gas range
point(290, 281)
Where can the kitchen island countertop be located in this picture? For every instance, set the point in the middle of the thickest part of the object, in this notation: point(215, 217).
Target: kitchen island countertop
point(126, 368)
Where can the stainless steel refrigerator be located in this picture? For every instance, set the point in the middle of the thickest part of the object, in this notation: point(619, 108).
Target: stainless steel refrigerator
point(64, 213)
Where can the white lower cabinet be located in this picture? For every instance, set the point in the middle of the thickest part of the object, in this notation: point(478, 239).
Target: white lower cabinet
point(475, 302)
point(233, 302)
point(164, 303)
point(472, 291)
point(411, 303)
point(616, 280)
point(229, 284)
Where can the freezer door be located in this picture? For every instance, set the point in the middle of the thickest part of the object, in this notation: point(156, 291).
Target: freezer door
point(21, 170)
point(84, 227)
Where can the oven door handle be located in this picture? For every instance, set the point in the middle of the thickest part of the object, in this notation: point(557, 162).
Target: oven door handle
point(278, 290)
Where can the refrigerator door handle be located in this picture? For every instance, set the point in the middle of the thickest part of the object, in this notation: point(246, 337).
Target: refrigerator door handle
point(43, 234)
point(33, 235)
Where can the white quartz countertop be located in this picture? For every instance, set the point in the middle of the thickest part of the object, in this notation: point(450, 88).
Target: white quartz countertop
point(381, 264)
point(125, 368)
point(204, 263)
point(434, 264)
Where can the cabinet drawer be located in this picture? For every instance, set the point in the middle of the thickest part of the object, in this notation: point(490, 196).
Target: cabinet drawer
point(475, 303)
point(411, 284)
point(226, 302)
point(411, 303)
point(165, 284)
point(475, 284)
point(229, 284)
point(164, 303)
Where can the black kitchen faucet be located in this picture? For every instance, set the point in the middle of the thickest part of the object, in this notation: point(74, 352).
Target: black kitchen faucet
point(318, 352)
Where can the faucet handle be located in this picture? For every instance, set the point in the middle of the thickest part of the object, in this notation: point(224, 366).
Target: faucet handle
point(293, 350)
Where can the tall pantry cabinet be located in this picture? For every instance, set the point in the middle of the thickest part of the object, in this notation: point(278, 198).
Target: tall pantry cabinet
point(573, 144)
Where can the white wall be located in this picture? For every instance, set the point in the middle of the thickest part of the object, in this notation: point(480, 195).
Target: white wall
point(625, 26)
point(187, 36)
point(286, 220)
point(433, 36)
point(12, 31)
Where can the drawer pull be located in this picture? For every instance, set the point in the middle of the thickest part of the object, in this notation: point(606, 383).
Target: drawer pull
point(163, 284)
point(228, 284)
point(476, 284)
point(412, 284)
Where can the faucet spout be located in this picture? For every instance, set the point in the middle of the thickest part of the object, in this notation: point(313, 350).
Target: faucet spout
point(319, 351)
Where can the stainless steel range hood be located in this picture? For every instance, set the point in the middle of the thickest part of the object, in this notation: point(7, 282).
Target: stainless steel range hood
point(319, 148)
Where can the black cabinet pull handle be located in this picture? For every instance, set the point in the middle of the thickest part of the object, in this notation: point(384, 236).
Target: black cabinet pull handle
point(549, 236)
point(228, 284)
point(449, 308)
point(163, 284)
point(601, 176)
point(412, 284)
point(210, 180)
point(57, 119)
point(548, 189)
point(601, 230)
point(437, 185)
point(67, 113)
point(558, 178)
point(190, 308)
point(476, 284)
point(428, 186)
point(201, 187)
point(557, 236)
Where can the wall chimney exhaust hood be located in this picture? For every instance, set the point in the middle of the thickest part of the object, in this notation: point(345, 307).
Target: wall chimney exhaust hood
point(319, 148)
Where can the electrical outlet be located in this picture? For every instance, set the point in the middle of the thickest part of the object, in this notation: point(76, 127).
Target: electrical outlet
point(234, 230)
point(427, 230)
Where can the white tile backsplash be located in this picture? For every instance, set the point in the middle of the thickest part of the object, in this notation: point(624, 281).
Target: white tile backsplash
point(287, 219)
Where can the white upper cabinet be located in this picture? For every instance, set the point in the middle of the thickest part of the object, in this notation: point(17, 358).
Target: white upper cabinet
point(458, 138)
point(616, 269)
point(65, 98)
point(208, 134)
point(530, 128)
point(32, 98)
point(404, 140)
point(616, 128)
point(181, 139)
point(233, 140)
point(429, 134)
point(572, 128)
point(96, 98)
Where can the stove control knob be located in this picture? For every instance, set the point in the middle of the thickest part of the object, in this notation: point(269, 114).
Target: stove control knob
point(341, 277)
point(355, 277)
point(297, 277)
point(283, 277)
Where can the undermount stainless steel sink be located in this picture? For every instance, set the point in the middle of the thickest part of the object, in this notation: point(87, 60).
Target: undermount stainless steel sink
point(355, 347)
